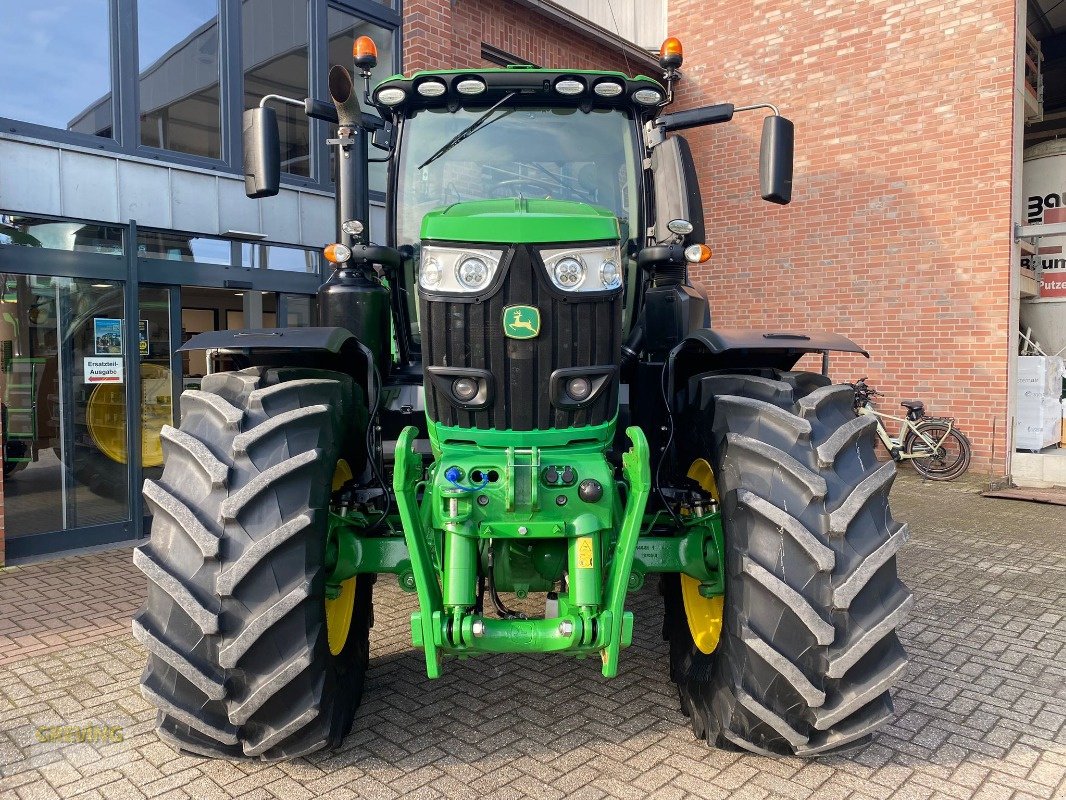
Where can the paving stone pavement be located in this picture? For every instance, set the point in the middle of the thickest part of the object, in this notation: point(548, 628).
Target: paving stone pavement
point(981, 714)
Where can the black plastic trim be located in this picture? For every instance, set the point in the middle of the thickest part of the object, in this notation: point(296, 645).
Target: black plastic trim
point(599, 377)
point(444, 377)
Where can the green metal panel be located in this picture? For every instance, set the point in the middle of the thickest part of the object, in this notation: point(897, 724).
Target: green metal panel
point(520, 220)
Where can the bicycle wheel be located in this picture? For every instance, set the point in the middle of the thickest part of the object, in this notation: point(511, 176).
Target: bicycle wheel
point(944, 463)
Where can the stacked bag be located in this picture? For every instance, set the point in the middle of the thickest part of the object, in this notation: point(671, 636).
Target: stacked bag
point(1038, 423)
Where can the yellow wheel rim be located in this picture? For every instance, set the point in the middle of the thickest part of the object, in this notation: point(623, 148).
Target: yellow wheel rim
point(339, 616)
point(105, 416)
point(339, 610)
point(704, 614)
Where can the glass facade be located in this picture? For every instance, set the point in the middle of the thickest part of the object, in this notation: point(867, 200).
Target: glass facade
point(79, 237)
point(274, 60)
point(178, 78)
point(175, 246)
point(80, 384)
point(59, 51)
point(200, 64)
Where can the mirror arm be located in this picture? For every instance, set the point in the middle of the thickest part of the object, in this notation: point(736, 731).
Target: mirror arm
point(770, 106)
point(281, 99)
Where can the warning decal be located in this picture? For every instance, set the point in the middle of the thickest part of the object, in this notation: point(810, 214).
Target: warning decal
point(585, 558)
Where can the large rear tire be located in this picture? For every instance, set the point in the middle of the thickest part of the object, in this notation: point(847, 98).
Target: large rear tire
point(239, 662)
point(808, 650)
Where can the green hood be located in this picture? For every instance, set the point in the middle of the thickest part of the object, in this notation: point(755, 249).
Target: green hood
point(520, 221)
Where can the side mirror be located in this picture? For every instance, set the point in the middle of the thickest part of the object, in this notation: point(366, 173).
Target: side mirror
point(262, 159)
point(775, 159)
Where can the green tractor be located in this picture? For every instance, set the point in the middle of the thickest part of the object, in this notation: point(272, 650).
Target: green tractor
point(517, 406)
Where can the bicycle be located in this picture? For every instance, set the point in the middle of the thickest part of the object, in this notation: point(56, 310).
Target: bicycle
point(938, 450)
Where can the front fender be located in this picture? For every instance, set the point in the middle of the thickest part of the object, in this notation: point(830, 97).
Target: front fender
point(734, 348)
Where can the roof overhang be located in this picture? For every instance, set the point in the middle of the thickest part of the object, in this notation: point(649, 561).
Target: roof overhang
point(639, 59)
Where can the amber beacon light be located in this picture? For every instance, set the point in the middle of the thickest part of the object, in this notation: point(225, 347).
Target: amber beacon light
point(365, 53)
point(671, 54)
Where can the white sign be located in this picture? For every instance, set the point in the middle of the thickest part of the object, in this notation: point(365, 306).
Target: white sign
point(103, 369)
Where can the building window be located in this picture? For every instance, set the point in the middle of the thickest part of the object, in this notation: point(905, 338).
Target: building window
point(51, 234)
point(275, 61)
point(56, 63)
point(344, 29)
point(178, 59)
point(200, 63)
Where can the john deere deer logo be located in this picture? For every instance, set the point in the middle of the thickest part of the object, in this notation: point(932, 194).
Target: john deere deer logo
point(521, 322)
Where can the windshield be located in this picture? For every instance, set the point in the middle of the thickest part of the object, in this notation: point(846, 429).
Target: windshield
point(515, 151)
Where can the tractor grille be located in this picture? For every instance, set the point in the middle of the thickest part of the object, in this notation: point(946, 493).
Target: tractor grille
point(574, 332)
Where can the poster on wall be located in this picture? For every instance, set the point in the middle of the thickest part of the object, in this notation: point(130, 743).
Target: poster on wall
point(1043, 178)
point(106, 369)
point(142, 338)
point(107, 334)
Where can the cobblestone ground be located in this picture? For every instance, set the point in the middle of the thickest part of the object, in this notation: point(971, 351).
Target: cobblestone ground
point(980, 715)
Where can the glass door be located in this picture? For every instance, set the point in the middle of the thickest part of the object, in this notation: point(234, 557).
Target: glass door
point(62, 344)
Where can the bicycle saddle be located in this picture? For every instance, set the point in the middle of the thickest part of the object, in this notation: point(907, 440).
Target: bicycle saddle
point(913, 405)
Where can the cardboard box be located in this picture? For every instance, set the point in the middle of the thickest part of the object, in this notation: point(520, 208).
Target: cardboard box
point(1038, 425)
point(1043, 372)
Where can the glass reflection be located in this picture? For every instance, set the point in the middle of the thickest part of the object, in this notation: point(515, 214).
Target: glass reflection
point(58, 473)
point(179, 79)
point(274, 50)
point(80, 237)
point(56, 59)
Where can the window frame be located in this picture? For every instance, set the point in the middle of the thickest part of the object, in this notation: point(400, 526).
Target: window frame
point(125, 101)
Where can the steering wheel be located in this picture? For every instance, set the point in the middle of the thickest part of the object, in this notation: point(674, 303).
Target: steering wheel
point(530, 182)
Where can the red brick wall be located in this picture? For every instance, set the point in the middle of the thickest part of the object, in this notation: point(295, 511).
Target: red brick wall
point(899, 230)
point(441, 34)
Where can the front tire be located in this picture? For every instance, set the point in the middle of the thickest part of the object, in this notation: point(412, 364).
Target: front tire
point(239, 662)
point(808, 650)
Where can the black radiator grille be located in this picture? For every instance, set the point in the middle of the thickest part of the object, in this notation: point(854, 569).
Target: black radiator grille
point(574, 332)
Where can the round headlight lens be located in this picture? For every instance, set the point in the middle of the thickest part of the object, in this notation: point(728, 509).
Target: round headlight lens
point(337, 253)
point(647, 97)
point(472, 272)
point(392, 96)
point(607, 89)
point(465, 389)
point(579, 389)
point(569, 86)
point(430, 274)
point(569, 273)
point(610, 277)
point(431, 88)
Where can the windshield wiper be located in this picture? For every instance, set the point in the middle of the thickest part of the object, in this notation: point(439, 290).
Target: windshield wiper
point(468, 130)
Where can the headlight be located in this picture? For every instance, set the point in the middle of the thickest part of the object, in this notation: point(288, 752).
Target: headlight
point(430, 273)
point(568, 273)
point(587, 269)
point(610, 277)
point(453, 270)
point(473, 273)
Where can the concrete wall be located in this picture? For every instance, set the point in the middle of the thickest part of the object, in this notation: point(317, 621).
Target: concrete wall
point(899, 233)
